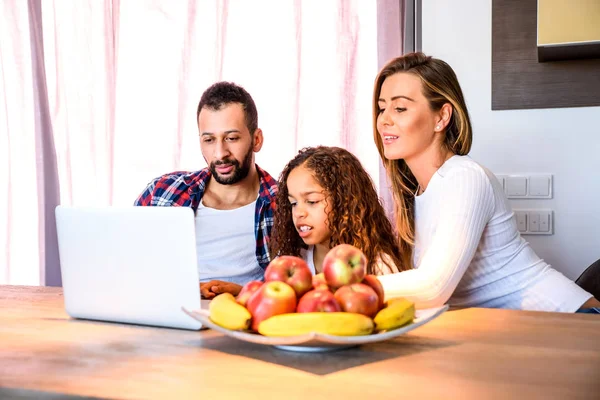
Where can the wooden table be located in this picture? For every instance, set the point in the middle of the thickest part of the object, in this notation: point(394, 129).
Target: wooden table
point(467, 354)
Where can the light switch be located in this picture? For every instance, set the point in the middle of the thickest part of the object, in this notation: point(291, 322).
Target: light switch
point(516, 186)
point(521, 221)
point(501, 179)
point(544, 221)
point(539, 185)
point(534, 222)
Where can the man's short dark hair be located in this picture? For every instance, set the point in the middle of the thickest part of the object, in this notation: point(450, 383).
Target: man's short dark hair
point(223, 93)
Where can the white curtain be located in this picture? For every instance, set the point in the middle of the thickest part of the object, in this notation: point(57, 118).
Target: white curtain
point(99, 97)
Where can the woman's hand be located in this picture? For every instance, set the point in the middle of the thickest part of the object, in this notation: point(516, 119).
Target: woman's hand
point(592, 302)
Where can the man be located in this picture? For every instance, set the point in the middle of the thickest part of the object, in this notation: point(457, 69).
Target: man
point(233, 198)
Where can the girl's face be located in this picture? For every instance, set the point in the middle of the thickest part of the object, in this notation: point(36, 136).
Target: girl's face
point(309, 202)
point(407, 125)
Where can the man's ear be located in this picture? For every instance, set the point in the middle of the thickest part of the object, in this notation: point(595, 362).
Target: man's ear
point(257, 140)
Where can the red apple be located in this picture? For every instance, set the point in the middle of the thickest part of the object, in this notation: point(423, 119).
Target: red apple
point(373, 283)
point(319, 282)
point(358, 298)
point(272, 298)
point(344, 265)
point(292, 270)
point(320, 300)
point(247, 291)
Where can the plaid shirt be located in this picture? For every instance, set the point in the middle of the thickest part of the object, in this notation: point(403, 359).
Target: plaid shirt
point(185, 189)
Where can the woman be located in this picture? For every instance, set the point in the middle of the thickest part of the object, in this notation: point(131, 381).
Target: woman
point(454, 222)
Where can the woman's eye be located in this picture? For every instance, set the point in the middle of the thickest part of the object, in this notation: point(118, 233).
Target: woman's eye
point(398, 109)
point(311, 202)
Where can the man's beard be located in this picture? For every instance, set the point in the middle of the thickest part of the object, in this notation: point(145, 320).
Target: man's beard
point(239, 172)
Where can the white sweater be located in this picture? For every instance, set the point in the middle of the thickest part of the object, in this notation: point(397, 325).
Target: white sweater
point(469, 253)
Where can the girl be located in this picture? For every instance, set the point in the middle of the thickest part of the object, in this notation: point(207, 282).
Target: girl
point(326, 198)
point(453, 219)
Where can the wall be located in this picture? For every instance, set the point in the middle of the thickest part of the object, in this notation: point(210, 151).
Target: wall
point(564, 142)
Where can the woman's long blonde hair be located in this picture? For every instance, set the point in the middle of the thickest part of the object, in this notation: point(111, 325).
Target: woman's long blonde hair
point(439, 86)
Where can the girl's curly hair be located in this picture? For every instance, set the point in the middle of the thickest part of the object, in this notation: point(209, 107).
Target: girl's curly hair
point(354, 212)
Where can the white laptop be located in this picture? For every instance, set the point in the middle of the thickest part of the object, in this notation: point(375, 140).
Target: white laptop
point(129, 264)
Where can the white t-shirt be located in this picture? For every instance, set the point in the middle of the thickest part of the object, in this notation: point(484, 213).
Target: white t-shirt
point(226, 244)
point(469, 253)
point(308, 255)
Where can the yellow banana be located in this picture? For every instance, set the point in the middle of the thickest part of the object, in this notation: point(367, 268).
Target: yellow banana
point(331, 323)
point(226, 312)
point(397, 312)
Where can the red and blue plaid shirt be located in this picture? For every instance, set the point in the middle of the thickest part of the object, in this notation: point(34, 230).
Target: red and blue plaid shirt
point(185, 189)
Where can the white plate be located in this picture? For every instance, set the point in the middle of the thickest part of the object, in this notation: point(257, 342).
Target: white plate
point(316, 342)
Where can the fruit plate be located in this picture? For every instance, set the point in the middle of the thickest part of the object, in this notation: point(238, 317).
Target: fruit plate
point(317, 342)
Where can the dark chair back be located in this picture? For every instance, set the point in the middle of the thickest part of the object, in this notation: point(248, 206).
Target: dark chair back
point(589, 280)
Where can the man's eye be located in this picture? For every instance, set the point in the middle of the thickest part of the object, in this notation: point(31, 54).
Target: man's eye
point(233, 139)
point(207, 140)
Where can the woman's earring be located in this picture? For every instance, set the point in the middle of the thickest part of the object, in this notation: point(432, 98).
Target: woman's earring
point(437, 127)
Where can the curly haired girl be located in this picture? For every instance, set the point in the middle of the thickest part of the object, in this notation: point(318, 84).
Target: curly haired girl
point(327, 198)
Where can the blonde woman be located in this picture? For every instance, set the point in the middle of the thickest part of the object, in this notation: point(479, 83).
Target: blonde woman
point(455, 225)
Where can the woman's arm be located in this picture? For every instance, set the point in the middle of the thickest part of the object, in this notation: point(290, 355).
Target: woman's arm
point(466, 204)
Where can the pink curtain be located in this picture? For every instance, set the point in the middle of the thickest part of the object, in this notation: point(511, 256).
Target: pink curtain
point(391, 24)
point(98, 97)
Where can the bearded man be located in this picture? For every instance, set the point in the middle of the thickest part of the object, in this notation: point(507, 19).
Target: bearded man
point(233, 198)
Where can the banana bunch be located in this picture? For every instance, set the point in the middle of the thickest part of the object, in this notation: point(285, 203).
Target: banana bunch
point(226, 312)
point(396, 313)
point(331, 323)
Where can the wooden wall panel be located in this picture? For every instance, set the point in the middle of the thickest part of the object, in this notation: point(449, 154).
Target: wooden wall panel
point(519, 81)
